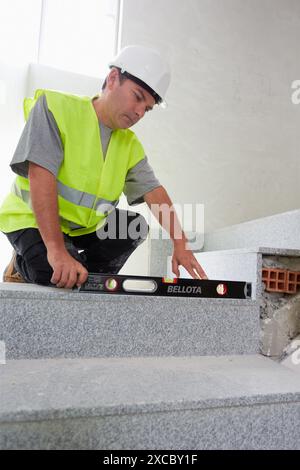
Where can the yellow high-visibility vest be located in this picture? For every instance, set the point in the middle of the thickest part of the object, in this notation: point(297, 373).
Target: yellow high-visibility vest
point(88, 186)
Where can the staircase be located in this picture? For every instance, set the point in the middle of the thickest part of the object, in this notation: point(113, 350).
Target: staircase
point(92, 371)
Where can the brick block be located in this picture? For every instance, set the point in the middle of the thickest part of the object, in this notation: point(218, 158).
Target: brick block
point(274, 279)
point(281, 280)
point(291, 282)
point(298, 278)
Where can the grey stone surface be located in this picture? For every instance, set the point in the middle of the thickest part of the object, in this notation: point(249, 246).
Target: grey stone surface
point(282, 262)
point(280, 312)
point(260, 427)
point(277, 235)
point(132, 403)
point(279, 231)
point(53, 323)
point(230, 265)
point(159, 252)
point(280, 322)
point(279, 251)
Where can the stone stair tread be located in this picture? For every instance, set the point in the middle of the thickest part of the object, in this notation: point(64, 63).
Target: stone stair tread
point(42, 389)
point(277, 230)
point(265, 250)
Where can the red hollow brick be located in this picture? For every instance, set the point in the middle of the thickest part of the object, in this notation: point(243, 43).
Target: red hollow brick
point(291, 282)
point(274, 279)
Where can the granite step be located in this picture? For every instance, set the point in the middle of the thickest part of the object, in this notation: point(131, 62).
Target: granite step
point(278, 231)
point(225, 402)
point(241, 264)
point(40, 322)
point(275, 231)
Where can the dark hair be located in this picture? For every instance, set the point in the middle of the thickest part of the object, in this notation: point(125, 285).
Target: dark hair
point(125, 75)
point(122, 79)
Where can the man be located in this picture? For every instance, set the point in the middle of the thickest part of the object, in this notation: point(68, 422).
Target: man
point(74, 159)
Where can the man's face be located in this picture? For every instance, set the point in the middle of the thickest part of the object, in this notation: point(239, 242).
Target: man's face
point(127, 102)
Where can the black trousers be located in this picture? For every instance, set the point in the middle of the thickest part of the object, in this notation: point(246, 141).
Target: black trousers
point(104, 251)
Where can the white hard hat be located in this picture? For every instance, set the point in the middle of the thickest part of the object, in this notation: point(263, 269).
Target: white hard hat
point(148, 66)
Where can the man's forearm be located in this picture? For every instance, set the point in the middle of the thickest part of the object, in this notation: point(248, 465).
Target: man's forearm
point(67, 271)
point(161, 206)
point(43, 191)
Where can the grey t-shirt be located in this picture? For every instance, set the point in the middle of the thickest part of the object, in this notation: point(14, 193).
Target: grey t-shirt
point(40, 143)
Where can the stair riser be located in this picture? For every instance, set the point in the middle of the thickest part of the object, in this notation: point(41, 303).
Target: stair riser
point(123, 326)
point(272, 426)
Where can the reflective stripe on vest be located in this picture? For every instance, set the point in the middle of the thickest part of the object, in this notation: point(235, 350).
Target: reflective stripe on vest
point(88, 200)
point(74, 196)
point(21, 193)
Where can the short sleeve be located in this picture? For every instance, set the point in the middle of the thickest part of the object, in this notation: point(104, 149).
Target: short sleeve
point(140, 180)
point(39, 143)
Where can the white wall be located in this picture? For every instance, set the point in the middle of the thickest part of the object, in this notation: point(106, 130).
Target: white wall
point(23, 43)
point(19, 34)
point(230, 136)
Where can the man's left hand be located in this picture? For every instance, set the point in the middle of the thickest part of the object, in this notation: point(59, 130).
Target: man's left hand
point(185, 257)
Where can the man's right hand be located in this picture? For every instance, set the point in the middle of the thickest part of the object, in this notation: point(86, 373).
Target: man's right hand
point(67, 271)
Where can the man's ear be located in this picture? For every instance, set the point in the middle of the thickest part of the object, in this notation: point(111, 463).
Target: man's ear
point(112, 78)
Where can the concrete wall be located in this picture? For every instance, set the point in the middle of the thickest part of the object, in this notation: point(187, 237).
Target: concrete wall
point(230, 136)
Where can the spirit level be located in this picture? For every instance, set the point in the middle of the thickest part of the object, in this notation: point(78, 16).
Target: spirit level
point(163, 286)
